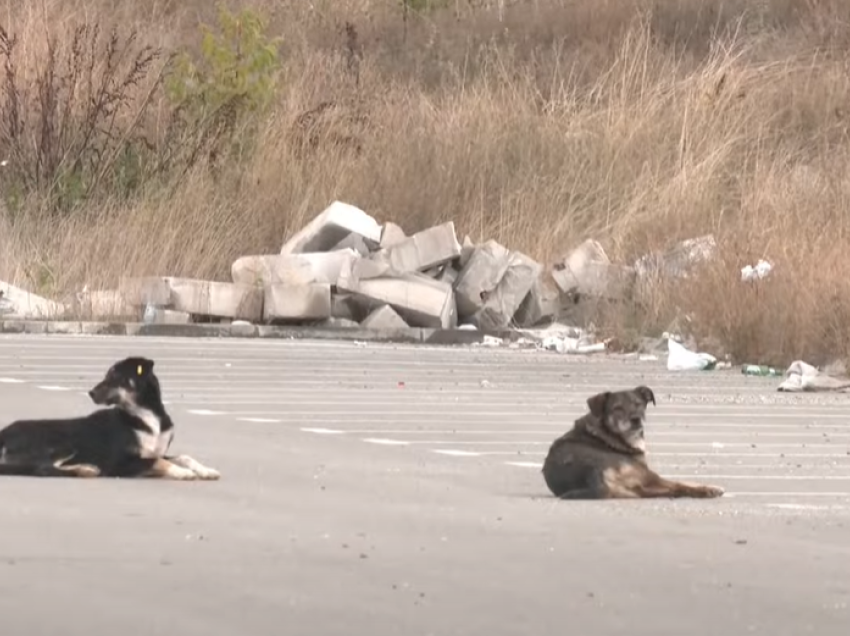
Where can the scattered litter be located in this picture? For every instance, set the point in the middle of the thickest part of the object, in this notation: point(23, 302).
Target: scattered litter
point(678, 261)
point(647, 357)
point(762, 269)
point(801, 376)
point(681, 359)
point(467, 327)
point(486, 384)
point(492, 341)
point(760, 370)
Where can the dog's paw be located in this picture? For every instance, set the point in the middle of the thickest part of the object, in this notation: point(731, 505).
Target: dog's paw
point(202, 472)
point(207, 474)
point(181, 474)
point(86, 470)
point(712, 492)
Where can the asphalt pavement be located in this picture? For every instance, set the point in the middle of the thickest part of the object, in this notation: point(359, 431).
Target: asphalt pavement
point(395, 490)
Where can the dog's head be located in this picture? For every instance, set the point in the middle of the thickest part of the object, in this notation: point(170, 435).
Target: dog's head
point(128, 384)
point(622, 414)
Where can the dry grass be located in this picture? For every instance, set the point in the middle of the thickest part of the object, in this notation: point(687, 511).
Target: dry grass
point(538, 124)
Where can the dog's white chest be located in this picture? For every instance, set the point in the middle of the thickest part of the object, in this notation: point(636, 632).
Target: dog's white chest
point(153, 442)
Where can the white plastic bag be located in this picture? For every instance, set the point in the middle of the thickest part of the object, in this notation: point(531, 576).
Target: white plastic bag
point(681, 359)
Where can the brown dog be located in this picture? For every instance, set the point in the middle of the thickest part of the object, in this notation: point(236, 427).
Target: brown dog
point(604, 455)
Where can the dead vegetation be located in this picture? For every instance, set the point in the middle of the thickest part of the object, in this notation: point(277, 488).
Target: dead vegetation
point(538, 123)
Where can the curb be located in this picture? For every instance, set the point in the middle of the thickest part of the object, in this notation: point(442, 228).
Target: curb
point(410, 335)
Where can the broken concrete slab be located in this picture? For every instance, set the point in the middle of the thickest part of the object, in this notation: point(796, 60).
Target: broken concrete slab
point(353, 242)
point(466, 250)
point(212, 298)
point(423, 250)
point(297, 302)
point(335, 223)
point(391, 234)
point(108, 303)
point(421, 301)
point(542, 303)
point(162, 316)
point(292, 269)
point(501, 305)
point(480, 276)
point(587, 270)
point(678, 261)
point(140, 291)
point(19, 303)
point(384, 318)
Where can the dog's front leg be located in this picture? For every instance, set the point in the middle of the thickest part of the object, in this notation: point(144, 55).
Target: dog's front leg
point(660, 487)
point(163, 468)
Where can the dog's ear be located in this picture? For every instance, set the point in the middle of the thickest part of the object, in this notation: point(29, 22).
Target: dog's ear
point(646, 394)
point(597, 403)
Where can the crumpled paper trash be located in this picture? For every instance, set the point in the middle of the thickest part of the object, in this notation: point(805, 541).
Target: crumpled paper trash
point(758, 272)
point(803, 377)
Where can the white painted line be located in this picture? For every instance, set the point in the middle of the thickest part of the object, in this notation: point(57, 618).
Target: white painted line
point(466, 442)
point(205, 412)
point(804, 493)
point(765, 477)
point(385, 442)
point(11, 381)
point(50, 387)
point(705, 455)
point(259, 420)
point(793, 506)
point(322, 431)
point(525, 464)
point(455, 452)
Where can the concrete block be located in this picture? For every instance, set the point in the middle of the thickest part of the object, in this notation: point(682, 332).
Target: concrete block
point(171, 317)
point(384, 318)
point(391, 235)
point(293, 269)
point(421, 301)
point(587, 270)
point(297, 302)
point(505, 300)
point(353, 242)
point(141, 290)
point(344, 306)
point(225, 300)
point(466, 250)
point(330, 227)
point(542, 303)
point(423, 250)
point(15, 301)
point(107, 303)
point(480, 276)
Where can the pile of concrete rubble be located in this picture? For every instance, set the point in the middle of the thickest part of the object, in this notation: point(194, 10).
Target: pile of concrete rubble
point(344, 269)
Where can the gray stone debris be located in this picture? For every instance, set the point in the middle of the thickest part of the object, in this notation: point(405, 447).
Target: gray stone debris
point(292, 269)
point(424, 250)
point(217, 299)
point(297, 302)
point(505, 300)
point(678, 261)
point(541, 304)
point(384, 318)
point(330, 227)
point(480, 276)
point(588, 271)
point(22, 304)
point(391, 235)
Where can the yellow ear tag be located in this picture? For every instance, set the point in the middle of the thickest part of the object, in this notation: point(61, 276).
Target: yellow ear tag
point(139, 370)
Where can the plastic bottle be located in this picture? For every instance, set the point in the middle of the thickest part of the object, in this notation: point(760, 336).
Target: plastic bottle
point(760, 370)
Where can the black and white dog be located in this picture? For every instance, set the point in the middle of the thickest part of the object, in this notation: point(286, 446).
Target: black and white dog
point(129, 440)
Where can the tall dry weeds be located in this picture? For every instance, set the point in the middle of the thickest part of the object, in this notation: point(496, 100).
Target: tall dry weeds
point(538, 125)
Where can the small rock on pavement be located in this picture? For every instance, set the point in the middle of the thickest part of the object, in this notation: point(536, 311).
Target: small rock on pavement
point(384, 318)
point(297, 302)
point(334, 224)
